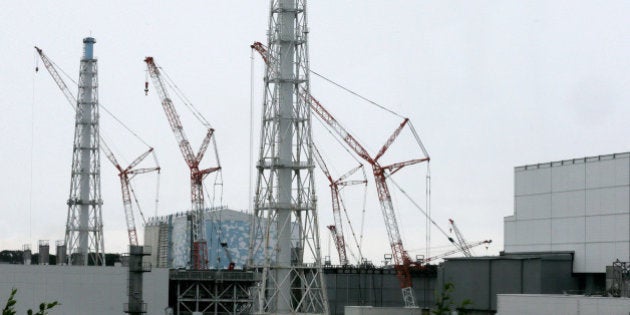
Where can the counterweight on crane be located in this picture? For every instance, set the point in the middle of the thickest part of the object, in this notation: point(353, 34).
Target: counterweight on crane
point(380, 172)
point(125, 174)
point(199, 246)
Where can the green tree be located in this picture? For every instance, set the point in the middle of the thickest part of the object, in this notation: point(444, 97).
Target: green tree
point(9, 308)
point(444, 303)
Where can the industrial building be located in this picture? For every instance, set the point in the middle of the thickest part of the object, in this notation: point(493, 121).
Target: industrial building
point(227, 233)
point(571, 222)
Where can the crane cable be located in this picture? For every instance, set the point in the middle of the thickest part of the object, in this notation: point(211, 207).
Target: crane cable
point(180, 94)
point(355, 94)
point(418, 207)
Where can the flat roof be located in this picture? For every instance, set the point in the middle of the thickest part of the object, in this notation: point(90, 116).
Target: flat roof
point(582, 160)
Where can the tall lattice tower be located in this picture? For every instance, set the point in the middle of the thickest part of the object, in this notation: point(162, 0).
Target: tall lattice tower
point(84, 227)
point(285, 231)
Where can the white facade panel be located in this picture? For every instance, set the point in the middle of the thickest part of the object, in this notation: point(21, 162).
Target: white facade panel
point(529, 248)
point(567, 230)
point(533, 206)
point(600, 228)
point(609, 200)
point(509, 230)
point(568, 204)
point(533, 181)
point(601, 174)
point(622, 171)
point(598, 255)
point(587, 210)
point(568, 177)
point(535, 232)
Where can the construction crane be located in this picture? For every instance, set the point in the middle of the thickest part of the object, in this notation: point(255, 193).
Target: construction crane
point(401, 257)
point(199, 246)
point(231, 263)
point(125, 174)
point(454, 251)
point(461, 242)
point(337, 204)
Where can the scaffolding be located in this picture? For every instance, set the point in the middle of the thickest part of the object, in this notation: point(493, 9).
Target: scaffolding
point(212, 291)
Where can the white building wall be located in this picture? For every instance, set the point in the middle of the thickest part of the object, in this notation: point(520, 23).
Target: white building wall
point(525, 304)
point(580, 205)
point(80, 290)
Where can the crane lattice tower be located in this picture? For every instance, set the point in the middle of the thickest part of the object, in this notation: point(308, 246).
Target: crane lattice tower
point(285, 231)
point(84, 226)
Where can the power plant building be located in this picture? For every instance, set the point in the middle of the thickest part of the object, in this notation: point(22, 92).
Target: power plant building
point(578, 205)
point(226, 231)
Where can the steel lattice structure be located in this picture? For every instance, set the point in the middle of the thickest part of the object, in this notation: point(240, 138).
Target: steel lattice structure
point(84, 226)
point(285, 227)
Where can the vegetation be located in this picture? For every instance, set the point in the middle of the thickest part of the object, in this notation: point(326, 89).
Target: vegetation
point(444, 304)
point(9, 308)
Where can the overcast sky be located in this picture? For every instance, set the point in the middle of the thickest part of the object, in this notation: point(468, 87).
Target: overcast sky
point(488, 85)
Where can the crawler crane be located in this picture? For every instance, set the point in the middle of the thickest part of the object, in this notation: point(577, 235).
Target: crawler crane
point(199, 246)
point(380, 172)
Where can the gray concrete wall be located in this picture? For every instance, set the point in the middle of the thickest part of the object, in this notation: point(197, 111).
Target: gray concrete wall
point(80, 290)
point(369, 310)
point(374, 287)
point(481, 279)
point(512, 304)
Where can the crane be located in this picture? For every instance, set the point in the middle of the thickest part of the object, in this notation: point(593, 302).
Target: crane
point(231, 263)
point(337, 204)
point(125, 174)
point(455, 251)
point(199, 246)
point(461, 242)
point(380, 172)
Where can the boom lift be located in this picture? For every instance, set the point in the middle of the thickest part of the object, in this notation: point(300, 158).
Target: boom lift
point(125, 174)
point(380, 172)
point(199, 244)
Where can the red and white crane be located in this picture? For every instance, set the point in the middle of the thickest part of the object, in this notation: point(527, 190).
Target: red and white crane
point(199, 244)
point(380, 172)
point(337, 203)
point(125, 174)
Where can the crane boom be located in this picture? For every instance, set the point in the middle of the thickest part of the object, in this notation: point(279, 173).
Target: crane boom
point(337, 229)
point(199, 246)
point(460, 239)
point(455, 251)
point(401, 257)
point(123, 173)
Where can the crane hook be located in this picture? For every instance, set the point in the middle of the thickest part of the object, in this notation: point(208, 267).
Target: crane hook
point(146, 87)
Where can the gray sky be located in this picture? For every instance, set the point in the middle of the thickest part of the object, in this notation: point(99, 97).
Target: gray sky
point(488, 85)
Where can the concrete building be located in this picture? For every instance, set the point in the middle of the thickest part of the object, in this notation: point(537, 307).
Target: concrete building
point(578, 205)
point(571, 220)
point(80, 289)
point(169, 236)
